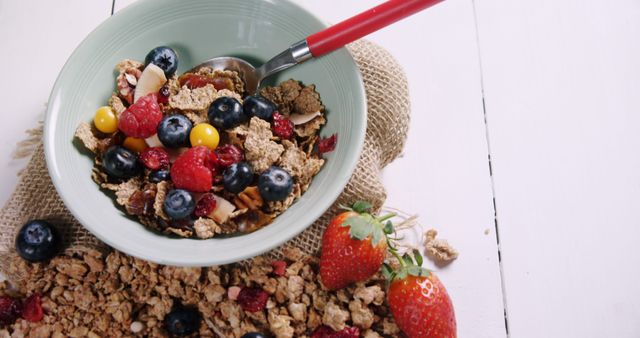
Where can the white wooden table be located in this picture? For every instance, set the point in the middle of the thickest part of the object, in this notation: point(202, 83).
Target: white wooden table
point(526, 125)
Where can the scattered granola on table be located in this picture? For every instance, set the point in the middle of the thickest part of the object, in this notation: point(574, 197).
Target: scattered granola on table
point(438, 249)
point(86, 293)
point(195, 156)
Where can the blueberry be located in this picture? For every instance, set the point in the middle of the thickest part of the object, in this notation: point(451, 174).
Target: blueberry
point(37, 241)
point(226, 112)
point(120, 162)
point(159, 176)
point(179, 204)
point(259, 106)
point(275, 184)
point(182, 321)
point(165, 58)
point(174, 130)
point(253, 335)
point(237, 177)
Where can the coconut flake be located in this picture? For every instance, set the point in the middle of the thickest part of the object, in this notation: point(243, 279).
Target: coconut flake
point(298, 119)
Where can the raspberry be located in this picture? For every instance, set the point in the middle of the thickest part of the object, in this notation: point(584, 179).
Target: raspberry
point(9, 310)
point(206, 205)
point(326, 332)
point(142, 118)
point(193, 169)
point(228, 154)
point(155, 158)
point(32, 309)
point(282, 126)
point(279, 267)
point(252, 299)
point(328, 144)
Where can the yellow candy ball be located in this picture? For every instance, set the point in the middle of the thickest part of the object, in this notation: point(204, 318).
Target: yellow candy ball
point(204, 134)
point(135, 144)
point(105, 120)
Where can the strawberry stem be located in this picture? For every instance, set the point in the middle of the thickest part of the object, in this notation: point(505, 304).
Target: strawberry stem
point(395, 254)
point(386, 217)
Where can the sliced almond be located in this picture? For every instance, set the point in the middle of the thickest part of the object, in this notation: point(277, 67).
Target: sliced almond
point(131, 79)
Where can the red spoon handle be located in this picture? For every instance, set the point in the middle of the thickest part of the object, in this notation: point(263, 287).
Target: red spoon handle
point(363, 24)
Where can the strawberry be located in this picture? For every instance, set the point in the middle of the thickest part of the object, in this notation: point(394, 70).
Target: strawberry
point(141, 119)
point(418, 301)
point(353, 247)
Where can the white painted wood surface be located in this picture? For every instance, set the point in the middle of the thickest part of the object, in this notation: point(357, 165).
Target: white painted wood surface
point(36, 38)
point(560, 81)
point(562, 85)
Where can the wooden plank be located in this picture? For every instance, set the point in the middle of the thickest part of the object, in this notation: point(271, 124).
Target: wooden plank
point(561, 81)
point(444, 174)
point(36, 37)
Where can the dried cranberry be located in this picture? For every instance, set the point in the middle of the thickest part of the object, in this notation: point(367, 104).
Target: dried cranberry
point(193, 81)
point(155, 158)
point(141, 202)
point(32, 309)
point(328, 144)
point(282, 126)
point(9, 310)
point(279, 267)
point(228, 154)
point(252, 299)
point(164, 92)
point(326, 332)
point(206, 205)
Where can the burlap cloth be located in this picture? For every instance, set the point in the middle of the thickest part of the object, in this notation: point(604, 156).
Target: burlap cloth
point(387, 126)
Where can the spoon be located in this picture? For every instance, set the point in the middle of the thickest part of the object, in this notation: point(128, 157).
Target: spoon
point(320, 43)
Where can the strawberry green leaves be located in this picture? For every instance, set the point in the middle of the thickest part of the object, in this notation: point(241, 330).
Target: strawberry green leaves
point(409, 265)
point(364, 225)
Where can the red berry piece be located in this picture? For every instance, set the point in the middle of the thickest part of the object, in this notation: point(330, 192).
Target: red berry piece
point(206, 205)
point(193, 169)
point(142, 118)
point(155, 158)
point(32, 309)
point(163, 95)
point(282, 126)
point(279, 267)
point(229, 154)
point(252, 299)
point(9, 310)
point(326, 332)
point(328, 144)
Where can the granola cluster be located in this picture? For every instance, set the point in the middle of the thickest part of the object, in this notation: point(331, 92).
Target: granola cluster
point(261, 145)
point(89, 294)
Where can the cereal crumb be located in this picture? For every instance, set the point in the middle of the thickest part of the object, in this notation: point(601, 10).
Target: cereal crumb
point(310, 128)
point(206, 228)
point(261, 150)
point(116, 104)
point(125, 64)
point(335, 317)
point(85, 134)
point(438, 249)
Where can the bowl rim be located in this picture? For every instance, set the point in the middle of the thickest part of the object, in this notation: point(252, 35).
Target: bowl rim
point(76, 210)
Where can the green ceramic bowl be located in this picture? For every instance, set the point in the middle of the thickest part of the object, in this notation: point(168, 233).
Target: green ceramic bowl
point(198, 30)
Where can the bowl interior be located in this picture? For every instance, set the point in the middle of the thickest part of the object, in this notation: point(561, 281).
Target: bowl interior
point(198, 30)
